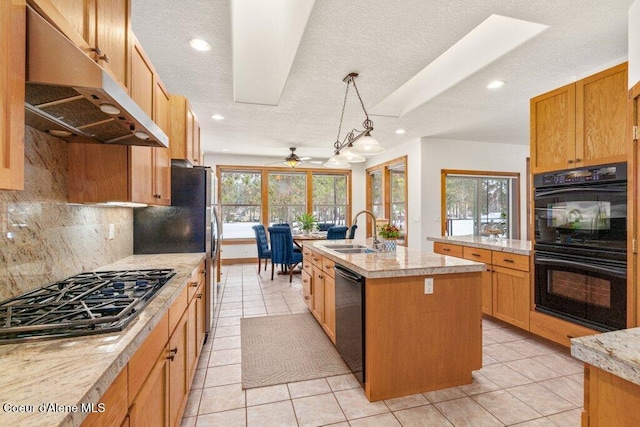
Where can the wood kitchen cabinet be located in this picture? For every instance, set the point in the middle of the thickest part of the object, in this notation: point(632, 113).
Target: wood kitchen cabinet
point(12, 81)
point(609, 400)
point(581, 124)
point(506, 283)
point(99, 27)
point(319, 292)
point(152, 390)
point(151, 166)
point(185, 131)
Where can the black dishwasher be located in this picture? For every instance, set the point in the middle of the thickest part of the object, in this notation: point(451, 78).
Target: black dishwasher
point(350, 319)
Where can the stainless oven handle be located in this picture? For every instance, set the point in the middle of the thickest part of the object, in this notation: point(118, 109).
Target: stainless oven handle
point(617, 272)
point(580, 190)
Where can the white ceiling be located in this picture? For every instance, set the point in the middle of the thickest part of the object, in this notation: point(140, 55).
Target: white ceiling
point(387, 42)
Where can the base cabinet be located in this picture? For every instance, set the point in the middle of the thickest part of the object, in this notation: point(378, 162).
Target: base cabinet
point(506, 283)
point(319, 290)
point(152, 390)
point(609, 400)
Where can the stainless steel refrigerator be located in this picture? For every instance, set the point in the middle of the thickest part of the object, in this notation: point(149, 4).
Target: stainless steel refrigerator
point(190, 224)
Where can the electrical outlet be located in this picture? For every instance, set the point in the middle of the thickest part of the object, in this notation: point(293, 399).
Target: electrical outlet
point(112, 231)
point(428, 286)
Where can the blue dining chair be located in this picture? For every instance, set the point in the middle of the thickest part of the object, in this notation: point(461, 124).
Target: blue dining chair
point(264, 253)
point(337, 232)
point(352, 231)
point(325, 226)
point(282, 250)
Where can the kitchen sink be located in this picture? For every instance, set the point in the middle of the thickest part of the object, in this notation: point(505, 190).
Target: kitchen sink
point(363, 250)
point(339, 246)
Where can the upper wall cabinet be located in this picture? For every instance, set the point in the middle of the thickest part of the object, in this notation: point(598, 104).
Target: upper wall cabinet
point(98, 27)
point(581, 124)
point(12, 79)
point(185, 131)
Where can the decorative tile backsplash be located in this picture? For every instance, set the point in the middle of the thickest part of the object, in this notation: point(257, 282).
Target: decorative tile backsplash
point(42, 237)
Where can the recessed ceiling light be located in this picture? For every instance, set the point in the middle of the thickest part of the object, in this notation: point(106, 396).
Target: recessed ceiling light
point(199, 44)
point(217, 117)
point(400, 131)
point(495, 84)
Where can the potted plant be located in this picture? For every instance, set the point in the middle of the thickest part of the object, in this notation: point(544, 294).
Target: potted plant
point(389, 234)
point(307, 221)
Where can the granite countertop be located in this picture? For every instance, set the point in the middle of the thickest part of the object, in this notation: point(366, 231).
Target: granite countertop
point(71, 371)
point(617, 352)
point(521, 247)
point(401, 263)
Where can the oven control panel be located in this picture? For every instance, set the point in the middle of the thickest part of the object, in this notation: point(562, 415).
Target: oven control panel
point(613, 172)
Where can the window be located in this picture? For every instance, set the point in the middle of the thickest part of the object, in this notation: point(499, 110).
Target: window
point(387, 194)
point(330, 198)
point(287, 196)
point(480, 204)
point(241, 202)
point(259, 195)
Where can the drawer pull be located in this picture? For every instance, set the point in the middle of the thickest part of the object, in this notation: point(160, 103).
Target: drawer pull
point(320, 276)
point(476, 255)
point(508, 260)
point(199, 296)
point(307, 297)
point(193, 284)
point(446, 249)
point(174, 350)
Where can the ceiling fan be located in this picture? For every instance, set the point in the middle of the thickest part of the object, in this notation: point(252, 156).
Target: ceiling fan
point(292, 160)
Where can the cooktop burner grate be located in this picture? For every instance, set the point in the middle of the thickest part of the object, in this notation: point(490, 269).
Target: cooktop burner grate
point(85, 304)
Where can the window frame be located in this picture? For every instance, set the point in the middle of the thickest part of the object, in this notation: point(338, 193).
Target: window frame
point(264, 170)
point(385, 169)
point(480, 174)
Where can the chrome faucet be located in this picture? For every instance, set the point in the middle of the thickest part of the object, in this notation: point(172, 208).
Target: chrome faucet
point(376, 242)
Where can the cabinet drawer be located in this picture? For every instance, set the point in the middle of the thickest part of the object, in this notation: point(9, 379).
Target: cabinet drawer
point(141, 362)
point(196, 279)
point(507, 260)
point(317, 260)
point(307, 265)
point(555, 329)
point(447, 249)
point(475, 254)
point(327, 266)
point(306, 252)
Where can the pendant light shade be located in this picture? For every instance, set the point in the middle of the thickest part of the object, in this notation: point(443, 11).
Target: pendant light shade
point(366, 146)
point(348, 156)
point(333, 163)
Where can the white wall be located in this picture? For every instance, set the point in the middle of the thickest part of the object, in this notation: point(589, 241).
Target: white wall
point(438, 154)
point(634, 43)
point(410, 149)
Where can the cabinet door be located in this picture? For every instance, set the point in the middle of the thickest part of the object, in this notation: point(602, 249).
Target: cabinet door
point(79, 16)
point(318, 294)
point(115, 403)
point(553, 127)
point(112, 36)
point(178, 370)
point(141, 174)
point(162, 156)
point(151, 405)
point(447, 249)
point(511, 295)
point(196, 140)
point(190, 119)
point(330, 307)
point(601, 117)
point(12, 80)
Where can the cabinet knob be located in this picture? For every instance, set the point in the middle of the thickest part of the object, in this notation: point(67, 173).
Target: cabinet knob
point(171, 357)
point(578, 160)
point(99, 55)
point(193, 284)
point(569, 161)
point(174, 350)
point(199, 296)
point(307, 297)
point(203, 271)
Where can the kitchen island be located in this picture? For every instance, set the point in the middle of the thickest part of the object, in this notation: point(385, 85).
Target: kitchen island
point(46, 383)
point(418, 337)
point(611, 377)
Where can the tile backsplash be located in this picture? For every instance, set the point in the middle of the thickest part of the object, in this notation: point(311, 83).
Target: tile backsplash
point(42, 237)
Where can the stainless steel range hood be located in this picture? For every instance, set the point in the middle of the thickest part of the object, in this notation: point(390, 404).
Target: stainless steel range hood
point(70, 96)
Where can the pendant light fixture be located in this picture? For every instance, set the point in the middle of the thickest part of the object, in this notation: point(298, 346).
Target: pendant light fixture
point(356, 143)
point(292, 160)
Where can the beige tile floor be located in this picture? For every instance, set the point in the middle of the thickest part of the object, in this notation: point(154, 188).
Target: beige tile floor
point(525, 381)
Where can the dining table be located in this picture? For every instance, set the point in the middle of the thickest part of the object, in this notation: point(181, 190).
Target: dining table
point(299, 239)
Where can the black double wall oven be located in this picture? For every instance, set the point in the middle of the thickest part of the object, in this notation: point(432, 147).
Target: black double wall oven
point(581, 245)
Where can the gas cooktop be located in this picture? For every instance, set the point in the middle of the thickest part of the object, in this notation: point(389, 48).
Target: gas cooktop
point(85, 304)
